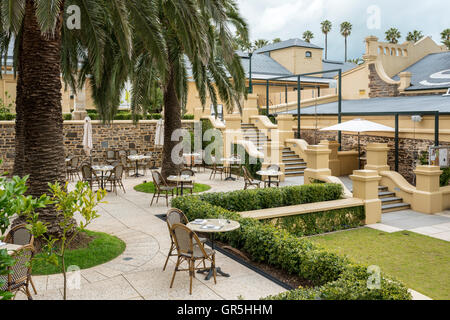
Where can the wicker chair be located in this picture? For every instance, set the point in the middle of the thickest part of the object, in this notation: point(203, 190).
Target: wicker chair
point(115, 178)
point(275, 181)
point(248, 179)
point(161, 188)
point(89, 175)
point(127, 166)
point(111, 157)
point(191, 250)
point(188, 186)
point(237, 165)
point(19, 277)
point(73, 169)
point(216, 169)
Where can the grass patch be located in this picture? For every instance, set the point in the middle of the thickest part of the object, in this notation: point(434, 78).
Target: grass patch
point(102, 249)
point(149, 187)
point(421, 262)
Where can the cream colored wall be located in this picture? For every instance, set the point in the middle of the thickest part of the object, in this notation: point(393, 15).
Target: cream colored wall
point(355, 84)
point(295, 61)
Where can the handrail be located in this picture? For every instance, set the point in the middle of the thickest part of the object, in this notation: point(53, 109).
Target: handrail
point(300, 146)
point(265, 122)
point(399, 181)
point(251, 149)
point(217, 123)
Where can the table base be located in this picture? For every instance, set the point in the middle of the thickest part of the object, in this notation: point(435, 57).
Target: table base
point(210, 273)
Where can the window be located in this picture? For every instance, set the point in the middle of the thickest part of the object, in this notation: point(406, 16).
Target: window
point(308, 54)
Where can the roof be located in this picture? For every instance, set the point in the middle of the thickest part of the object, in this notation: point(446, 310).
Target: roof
point(432, 72)
point(287, 44)
point(331, 65)
point(392, 104)
point(262, 64)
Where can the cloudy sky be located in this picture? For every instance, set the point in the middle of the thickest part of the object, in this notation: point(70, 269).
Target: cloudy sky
point(285, 19)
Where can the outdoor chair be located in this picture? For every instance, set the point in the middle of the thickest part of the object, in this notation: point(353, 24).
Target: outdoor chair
point(237, 165)
point(216, 169)
point(122, 153)
point(150, 164)
point(199, 161)
point(133, 152)
point(161, 188)
point(188, 186)
point(276, 180)
point(115, 178)
point(248, 179)
point(191, 250)
point(19, 277)
point(111, 157)
point(73, 168)
point(89, 175)
point(127, 166)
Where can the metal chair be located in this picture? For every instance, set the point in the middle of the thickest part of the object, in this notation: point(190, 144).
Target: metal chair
point(248, 179)
point(89, 175)
point(189, 186)
point(111, 156)
point(161, 187)
point(237, 165)
point(191, 250)
point(127, 166)
point(19, 277)
point(73, 169)
point(115, 178)
point(216, 169)
point(199, 161)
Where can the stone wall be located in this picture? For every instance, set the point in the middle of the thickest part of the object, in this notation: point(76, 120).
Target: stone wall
point(119, 135)
point(378, 87)
point(407, 148)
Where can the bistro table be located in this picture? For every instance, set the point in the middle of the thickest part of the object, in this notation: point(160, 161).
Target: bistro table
point(230, 162)
point(138, 158)
point(103, 169)
point(192, 157)
point(181, 180)
point(271, 174)
point(213, 226)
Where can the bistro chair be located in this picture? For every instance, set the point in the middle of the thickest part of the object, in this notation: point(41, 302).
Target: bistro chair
point(161, 188)
point(127, 166)
point(19, 277)
point(122, 153)
point(237, 165)
point(190, 185)
point(111, 157)
point(248, 179)
point(132, 152)
point(149, 164)
point(216, 169)
point(73, 168)
point(273, 181)
point(89, 175)
point(115, 178)
point(191, 250)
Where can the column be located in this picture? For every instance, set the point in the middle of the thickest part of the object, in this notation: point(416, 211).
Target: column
point(334, 164)
point(365, 187)
point(318, 158)
point(377, 157)
point(428, 197)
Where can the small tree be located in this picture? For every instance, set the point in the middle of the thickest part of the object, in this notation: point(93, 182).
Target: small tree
point(393, 35)
point(445, 36)
point(82, 201)
point(308, 36)
point(414, 36)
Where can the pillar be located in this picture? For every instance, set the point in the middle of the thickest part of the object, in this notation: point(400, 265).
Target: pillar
point(318, 158)
point(285, 124)
point(334, 164)
point(232, 132)
point(365, 187)
point(79, 112)
point(250, 108)
point(428, 197)
point(377, 157)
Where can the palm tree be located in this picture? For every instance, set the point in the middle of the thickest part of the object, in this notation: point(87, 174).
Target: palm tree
point(346, 31)
point(260, 43)
point(326, 29)
point(45, 48)
point(393, 35)
point(357, 61)
point(445, 36)
point(203, 44)
point(308, 36)
point(276, 40)
point(414, 36)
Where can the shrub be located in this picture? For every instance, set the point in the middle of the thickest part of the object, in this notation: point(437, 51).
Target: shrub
point(67, 116)
point(7, 116)
point(188, 117)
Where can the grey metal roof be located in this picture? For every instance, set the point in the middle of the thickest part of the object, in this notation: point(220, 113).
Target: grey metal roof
point(432, 72)
point(263, 64)
point(287, 44)
point(331, 65)
point(396, 104)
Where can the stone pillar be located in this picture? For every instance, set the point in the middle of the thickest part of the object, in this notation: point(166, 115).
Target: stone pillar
point(250, 108)
point(405, 80)
point(365, 187)
point(334, 164)
point(79, 112)
point(428, 197)
point(285, 124)
point(377, 157)
point(232, 132)
point(318, 158)
point(371, 46)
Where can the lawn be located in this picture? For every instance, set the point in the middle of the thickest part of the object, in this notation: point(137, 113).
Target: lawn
point(150, 187)
point(421, 262)
point(102, 249)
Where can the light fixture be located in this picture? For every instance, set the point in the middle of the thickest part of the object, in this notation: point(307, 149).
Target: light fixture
point(417, 119)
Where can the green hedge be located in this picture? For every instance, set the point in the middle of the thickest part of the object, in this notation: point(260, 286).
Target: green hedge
point(334, 275)
point(257, 199)
point(7, 116)
point(321, 222)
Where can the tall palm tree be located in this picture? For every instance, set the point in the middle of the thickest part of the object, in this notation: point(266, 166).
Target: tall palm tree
point(326, 29)
point(308, 36)
point(346, 31)
point(260, 43)
point(393, 35)
point(199, 39)
point(445, 36)
point(276, 40)
point(45, 48)
point(414, 36)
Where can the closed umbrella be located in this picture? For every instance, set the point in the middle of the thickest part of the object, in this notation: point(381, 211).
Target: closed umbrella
point(359, 125)
point(87, 137)
point(159, 136)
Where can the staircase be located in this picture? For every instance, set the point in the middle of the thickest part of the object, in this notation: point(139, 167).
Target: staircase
point(253, 134)
point(389, 201)
point(294, 165)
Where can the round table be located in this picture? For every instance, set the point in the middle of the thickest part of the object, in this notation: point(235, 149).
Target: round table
point(269, 173)
point(230, 162)
point(102, 169)
point(183, 179)
point(138, 158)
point(220, 226)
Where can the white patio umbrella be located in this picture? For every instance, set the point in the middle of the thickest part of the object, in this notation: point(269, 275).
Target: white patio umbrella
point(359, 125)
point(159, 136)
point(87, 137)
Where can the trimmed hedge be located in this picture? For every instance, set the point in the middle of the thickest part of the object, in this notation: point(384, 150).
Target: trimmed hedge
point(335, 276)
point(257, 199)
point(7, 116)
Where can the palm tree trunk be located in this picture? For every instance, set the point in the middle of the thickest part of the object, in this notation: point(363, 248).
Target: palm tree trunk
point(40, 122)
point(19, 158)
point(326, 46)
point(345, 49)
point(172, 122)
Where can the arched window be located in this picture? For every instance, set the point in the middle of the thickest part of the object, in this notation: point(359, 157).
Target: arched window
point(308, 54)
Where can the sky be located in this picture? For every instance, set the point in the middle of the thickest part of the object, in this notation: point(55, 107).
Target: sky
point(286, 19)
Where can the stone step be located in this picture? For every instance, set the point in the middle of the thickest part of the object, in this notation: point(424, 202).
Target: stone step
point(288, 153)
point(391, 200)
point(291, 158)
point(386, 194)
point(395, 207)
point(295, 164)
point(383, 188)
point(296, 168)
point(294, 173)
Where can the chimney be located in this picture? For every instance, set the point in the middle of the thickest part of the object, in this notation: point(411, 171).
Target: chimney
point(405, 80)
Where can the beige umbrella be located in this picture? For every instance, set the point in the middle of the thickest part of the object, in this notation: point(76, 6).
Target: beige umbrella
point(159, 136)
point(87, 137)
